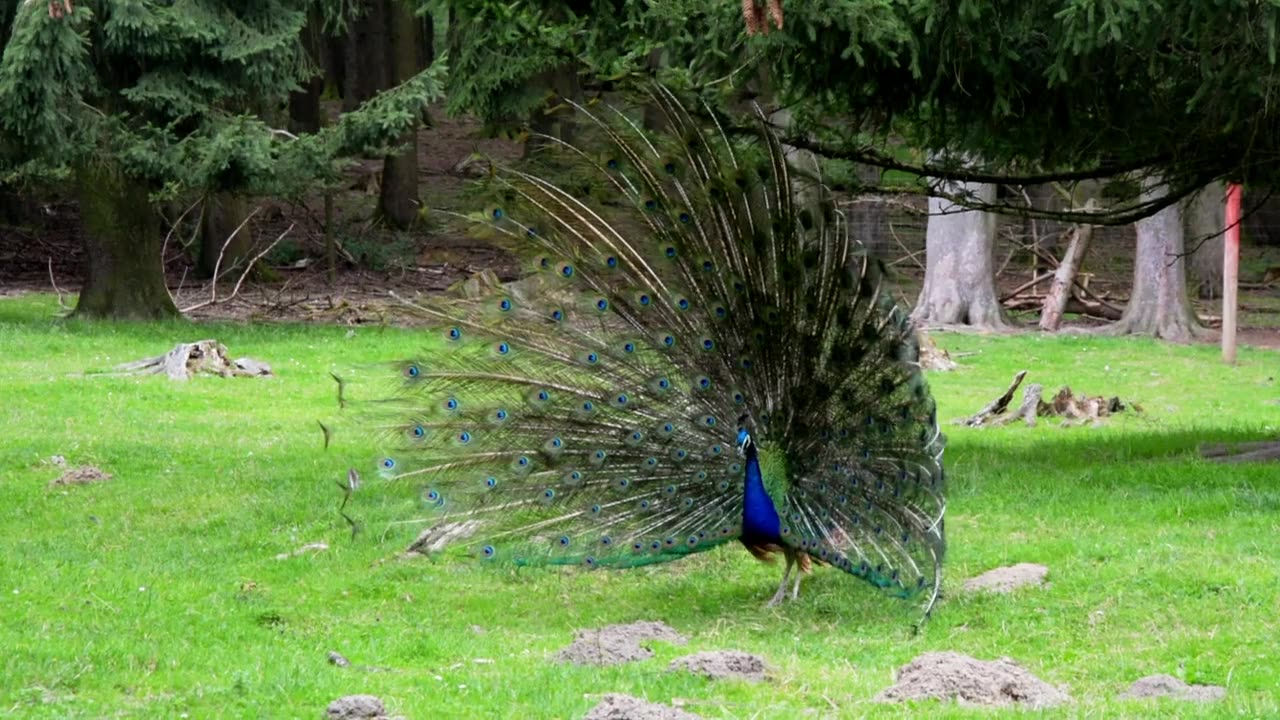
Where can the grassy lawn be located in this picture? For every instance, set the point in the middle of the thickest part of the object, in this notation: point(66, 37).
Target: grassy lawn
point(158, 593)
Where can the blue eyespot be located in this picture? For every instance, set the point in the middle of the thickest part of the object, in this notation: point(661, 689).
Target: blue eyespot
point(595, 509)
point(651, 462)
point(704, 383)
point(497, 213)
point(557, 315)
point(629, 347)
point(503, 348)
point(668, 340)
point(621, 399)
point(684, 217)
point(637, 436)
point(589, 561)
point(708, 266)
point(564, 541)
point(418, 431)
point(650, 204)
point(645, 300)
point(670, 250)
point(567, 271)
point(721, 312)
point(531, 232)
point(433, 495)
point(451, 404)
point(670, 168)
point(683, 304)
point(600, 454)
point(464, 437)
point(556, 442)
point(412, 371)
point(588, 406)
point(504, 304)
point(670, 490)
point(668, 428)
point(543, 396)
point(523, 461)
point(664, 383)
point(500, 415)
point(606, 541)
point(611, 164)
point(487, 550)
point(602, 304)
point(548, 493)
point(454, 333)
point(611, 261)
point(592, 358)
point(623, 484)
point(388, 463)
point(708, 344)
point(491, 482)
point(710, 420)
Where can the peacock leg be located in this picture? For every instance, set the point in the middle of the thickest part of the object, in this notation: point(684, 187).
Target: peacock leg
point(795, 591)
point(782, 587)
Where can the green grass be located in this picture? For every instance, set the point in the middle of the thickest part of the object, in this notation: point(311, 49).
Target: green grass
point(158, 593)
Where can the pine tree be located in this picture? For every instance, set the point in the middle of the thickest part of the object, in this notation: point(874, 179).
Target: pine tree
point(133, 102)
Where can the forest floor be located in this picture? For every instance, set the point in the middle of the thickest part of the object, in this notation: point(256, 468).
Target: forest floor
point(45, 255)
point(193, 582)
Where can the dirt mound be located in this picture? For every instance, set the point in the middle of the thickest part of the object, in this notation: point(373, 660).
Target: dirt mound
point(356, 707)
point(83, 475)
point(723, 665)
point(1154, 686)
point(1008, 579)
point(616, 644)
point(953, 676)
point(615, 706)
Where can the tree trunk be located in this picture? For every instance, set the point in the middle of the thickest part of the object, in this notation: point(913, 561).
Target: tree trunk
point(1055, 303)
point(122, 242)
point(398, 202)
point(220, 243)
point(959, 281)
point(562, 82)
point(867, 216)
point(304, 105)
point(366, 71)
point(1159, 305)
point(1205, 220)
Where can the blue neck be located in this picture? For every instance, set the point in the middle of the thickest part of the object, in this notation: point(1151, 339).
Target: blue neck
point(760, 521)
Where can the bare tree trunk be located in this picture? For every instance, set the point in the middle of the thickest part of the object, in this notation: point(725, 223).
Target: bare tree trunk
point(1159, 305)
point(398, 202)
point(122, 241)
point(563, 82)
point(1055, 303)
point(1205, 219)
point(365, 54)
point(867, 216)
point(223, 214)
point(304, 104)
point(959, 281)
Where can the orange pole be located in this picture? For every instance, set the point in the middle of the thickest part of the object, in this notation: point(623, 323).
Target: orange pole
point(1230, 273)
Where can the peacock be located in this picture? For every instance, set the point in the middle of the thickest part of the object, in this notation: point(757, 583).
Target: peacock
point(701, 354)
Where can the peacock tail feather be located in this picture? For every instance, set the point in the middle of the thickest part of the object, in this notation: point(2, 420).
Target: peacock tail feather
point(589, 414)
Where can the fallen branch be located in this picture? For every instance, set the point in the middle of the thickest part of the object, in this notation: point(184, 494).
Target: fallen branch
point(995, 407)
point(1073, 304)
point(1072, 408)
point(1241, 452)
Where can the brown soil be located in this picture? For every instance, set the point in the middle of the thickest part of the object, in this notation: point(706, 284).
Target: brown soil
point(624, 707)
point(1156, 686)
point(83, 475)
point(617, 644)
point(723, 665)
point(953, 676)
point(1008, 579)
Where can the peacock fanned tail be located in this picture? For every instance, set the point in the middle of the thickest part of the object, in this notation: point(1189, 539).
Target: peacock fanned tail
point(590, 414)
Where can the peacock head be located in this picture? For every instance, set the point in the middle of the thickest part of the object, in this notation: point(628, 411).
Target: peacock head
point(744, 441)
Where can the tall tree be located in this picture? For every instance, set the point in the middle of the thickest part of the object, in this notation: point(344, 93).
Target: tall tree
point(398, 198)
point(959, 284)
point(141, 102)
point(1206, 217)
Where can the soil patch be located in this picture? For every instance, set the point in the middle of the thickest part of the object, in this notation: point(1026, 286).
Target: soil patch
point(83, 475)
point(969, 681)
point(356, 707)
point(723, 665)
point(615, 706)
point(1154, 686)
point(1008, 579)
point(616, 644)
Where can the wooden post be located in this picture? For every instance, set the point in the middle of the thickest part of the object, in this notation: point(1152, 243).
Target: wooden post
point(1230, 273)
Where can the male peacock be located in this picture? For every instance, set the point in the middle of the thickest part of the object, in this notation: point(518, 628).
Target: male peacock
point(697, 360)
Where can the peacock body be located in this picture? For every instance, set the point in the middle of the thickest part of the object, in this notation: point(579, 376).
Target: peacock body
point(705, 355)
